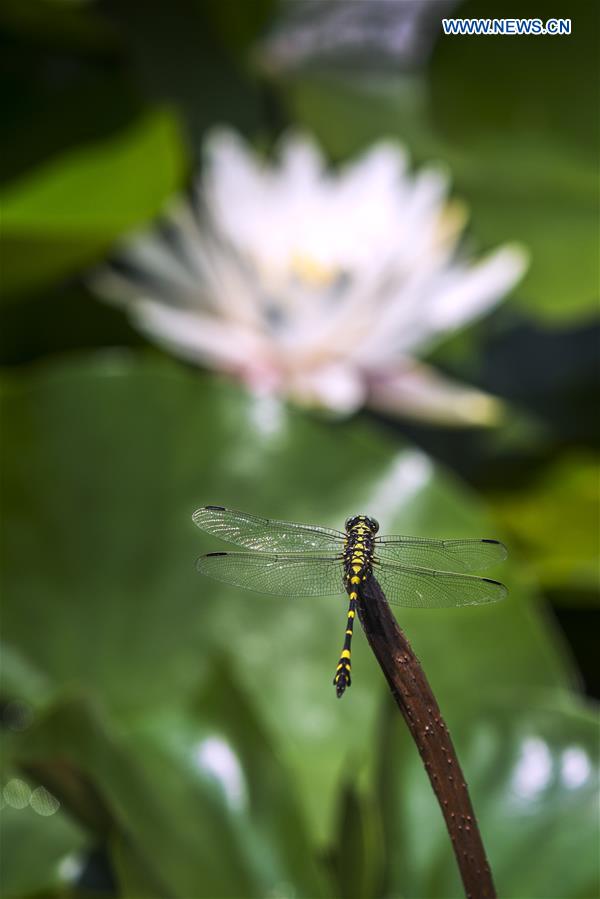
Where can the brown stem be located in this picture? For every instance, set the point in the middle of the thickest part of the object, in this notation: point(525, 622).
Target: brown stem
point(417, 703)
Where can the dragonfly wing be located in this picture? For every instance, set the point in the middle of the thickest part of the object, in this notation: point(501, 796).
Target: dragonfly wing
point(266, 534)
point(448, 555)
point(426, 589)
point(278, 573)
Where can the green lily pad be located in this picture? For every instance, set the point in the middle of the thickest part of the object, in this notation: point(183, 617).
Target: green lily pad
point(104, 462)
point(66, 213)
point(532, 769)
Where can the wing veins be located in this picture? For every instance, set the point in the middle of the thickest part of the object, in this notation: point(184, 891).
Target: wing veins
point(292, 574)
point(415, 587)
point(445, 555)
point(265, 534)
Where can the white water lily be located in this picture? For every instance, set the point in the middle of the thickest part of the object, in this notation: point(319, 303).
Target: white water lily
point(322, 286)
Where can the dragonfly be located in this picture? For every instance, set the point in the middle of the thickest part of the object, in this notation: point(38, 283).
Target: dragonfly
point(295, 560)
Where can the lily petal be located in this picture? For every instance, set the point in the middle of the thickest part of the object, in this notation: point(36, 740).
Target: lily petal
point(442, 303)
point(418, 391)
point(336, 387)
point(472, 290)
point(197, 337)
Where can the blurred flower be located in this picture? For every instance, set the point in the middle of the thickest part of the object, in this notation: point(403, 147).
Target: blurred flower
point(346, 35)
point(321, 286)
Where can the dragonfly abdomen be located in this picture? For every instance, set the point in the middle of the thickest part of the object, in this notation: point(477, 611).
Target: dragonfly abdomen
point(358, 556)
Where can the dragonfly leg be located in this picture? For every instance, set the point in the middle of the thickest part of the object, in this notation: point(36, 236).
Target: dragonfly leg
point(342, 677)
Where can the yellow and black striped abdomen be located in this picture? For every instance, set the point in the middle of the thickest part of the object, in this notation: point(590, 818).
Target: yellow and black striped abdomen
point(358, 555)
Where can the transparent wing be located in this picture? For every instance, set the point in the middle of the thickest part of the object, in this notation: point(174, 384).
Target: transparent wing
point(426, 589)
point(279, 573)
point(266, 534)
point(448, 555)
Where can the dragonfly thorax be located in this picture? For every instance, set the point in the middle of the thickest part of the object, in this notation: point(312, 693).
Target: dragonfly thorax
point(358, 552)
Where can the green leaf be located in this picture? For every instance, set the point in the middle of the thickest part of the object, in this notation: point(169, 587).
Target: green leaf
point(39, 851)
point(532, 768)
point(104, 463)
point(197, 802)
point(20, 678)
point(554, 523)
point(356, 859)
point(71, 209)
point(131, 869)
point(520, 84)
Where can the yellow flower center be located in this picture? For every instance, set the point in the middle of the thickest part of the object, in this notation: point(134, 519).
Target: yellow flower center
point(311, 271)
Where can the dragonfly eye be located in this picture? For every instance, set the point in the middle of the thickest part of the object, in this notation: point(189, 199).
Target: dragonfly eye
point(370, 523)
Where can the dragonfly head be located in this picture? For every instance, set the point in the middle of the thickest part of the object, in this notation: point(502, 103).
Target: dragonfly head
point(371, 523)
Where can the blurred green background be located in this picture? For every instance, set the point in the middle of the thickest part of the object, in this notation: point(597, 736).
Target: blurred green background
point(166, 737)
